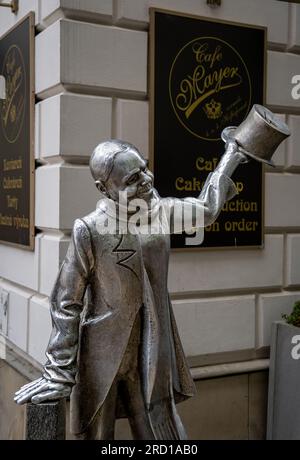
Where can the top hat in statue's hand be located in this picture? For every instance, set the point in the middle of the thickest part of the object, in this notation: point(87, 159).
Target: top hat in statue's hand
point(259, 135)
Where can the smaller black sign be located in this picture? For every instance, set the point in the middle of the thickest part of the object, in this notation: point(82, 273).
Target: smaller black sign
point(16, 135)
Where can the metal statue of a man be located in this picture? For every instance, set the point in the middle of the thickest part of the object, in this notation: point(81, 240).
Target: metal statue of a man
point(114, 346)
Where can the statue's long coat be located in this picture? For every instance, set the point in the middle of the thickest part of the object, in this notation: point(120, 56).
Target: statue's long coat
point(104, 281)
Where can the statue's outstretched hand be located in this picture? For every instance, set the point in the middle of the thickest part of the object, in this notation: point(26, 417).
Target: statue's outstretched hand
point(42, 390)
point(232, 148)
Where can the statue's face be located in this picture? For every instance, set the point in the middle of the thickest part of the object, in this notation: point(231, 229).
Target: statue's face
point(131, 175)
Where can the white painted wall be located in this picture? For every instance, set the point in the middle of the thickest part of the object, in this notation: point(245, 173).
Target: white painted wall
point(91, 81)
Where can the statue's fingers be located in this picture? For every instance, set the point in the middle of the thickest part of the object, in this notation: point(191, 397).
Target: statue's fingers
point(51, 395)
point(28, 394)
point(26, 390)
point(21, 399)
point(63, 390)
point(28, 385)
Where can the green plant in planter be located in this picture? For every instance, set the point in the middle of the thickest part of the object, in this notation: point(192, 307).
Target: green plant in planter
point(294, 317)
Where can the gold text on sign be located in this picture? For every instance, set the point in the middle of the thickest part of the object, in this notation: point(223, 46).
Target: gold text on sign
point(196, 88)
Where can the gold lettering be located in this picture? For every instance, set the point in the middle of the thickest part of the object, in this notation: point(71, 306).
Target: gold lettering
point(239, 186)
point(192, 185)
point(6, 221)
point(241, 226)
point(240, 206)
point(198, 87)
point(206, 165)
point(9, 183)
point(21, 222)
point(12, 202)
point(13, 83)
point(202, 56)
point(215, 227)
point(178, 183)
point(11, 165)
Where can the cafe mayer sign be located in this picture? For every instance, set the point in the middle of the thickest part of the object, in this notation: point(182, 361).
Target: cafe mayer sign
point(207, 96)
point(16, 135)
point(205, 76)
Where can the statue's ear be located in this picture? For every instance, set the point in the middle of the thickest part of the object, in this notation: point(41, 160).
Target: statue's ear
point(101, 187)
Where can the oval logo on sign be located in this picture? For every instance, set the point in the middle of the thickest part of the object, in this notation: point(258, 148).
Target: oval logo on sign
point(209, 87)
point(13, 107)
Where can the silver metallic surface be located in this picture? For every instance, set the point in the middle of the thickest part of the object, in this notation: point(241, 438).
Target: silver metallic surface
point(114, 338)
point(259, 135)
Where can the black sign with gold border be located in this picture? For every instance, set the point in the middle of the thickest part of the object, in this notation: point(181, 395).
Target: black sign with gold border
point(205, 74)
point(17, 135)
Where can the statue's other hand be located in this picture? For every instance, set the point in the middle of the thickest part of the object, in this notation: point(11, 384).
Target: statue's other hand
point(42, 390)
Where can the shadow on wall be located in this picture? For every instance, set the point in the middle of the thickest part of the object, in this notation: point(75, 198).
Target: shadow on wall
point(11, 416)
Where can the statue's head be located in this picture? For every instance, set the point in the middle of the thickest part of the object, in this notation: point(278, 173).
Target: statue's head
point(118, 166)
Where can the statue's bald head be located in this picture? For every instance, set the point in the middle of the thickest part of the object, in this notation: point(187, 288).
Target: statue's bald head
point(102, 159)
point(118, 167)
